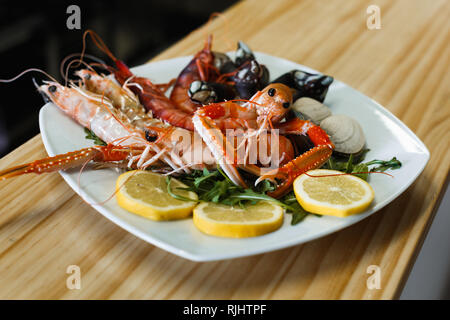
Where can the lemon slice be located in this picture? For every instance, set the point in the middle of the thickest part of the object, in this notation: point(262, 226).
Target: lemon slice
point(236, 222)
point(145, 193)
point(339, 196)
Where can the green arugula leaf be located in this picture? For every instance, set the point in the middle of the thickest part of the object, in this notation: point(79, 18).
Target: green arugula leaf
point(349, 165)
point(294, 208)
point(355, 166)
point(92, 136)
point(360, 157)
point(207, 175)
point(215, 186)
point(265, 186)
point(330, 164)
point(392, 164)
point(174, 195)
point(361, 170)
point(298, 217)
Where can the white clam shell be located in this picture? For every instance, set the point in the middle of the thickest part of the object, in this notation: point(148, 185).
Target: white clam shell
point(345, 132)
point(311, 109)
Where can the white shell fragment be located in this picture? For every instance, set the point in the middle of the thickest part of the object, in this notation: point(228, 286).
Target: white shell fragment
point(345, 132)
point(311, 109)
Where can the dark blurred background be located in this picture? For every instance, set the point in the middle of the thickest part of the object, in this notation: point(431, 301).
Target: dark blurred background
point(34, 35)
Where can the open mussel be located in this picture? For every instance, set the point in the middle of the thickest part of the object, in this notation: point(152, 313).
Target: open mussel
point(223, 63)
point(209, 92)
point(306, 84)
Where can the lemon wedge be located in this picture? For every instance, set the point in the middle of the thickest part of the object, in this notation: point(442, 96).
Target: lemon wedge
point(236, 222)
point(340, 195)
point(145, 193)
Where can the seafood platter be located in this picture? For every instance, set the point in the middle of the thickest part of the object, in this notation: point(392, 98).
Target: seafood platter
point(221, 154)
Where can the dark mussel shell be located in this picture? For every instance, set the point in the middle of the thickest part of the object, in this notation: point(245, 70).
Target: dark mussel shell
point(287, 79)
point(243, 54)
point(301, 143)
point(265, 76)
point(291, 114)
point(223, 63)
point(209, 92)
point(307, 84)
point(246, 73)
point(250, 78)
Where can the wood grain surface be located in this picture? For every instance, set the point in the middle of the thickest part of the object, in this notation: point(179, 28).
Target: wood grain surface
point(45, 227)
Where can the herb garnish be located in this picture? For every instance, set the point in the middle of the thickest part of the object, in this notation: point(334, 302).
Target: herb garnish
point(359, 168)
point(297, 211)
point(215, 186)
point(92, 136)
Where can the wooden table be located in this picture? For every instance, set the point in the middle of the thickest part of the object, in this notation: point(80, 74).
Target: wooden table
point(45, 226)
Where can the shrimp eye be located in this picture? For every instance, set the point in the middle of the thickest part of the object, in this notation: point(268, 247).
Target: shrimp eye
point(286, 105)
point(52, 89)
point(271, 92)
point(150, 137)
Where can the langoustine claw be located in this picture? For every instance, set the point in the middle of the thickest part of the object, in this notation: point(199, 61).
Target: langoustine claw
point(312, 159)
point(309, 160)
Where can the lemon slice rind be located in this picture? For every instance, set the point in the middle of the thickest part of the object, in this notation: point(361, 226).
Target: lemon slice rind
point(333, 209)
point(237, 228)
point(153, 211)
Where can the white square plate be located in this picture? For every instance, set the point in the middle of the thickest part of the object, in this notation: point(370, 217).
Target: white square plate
point(386, 137)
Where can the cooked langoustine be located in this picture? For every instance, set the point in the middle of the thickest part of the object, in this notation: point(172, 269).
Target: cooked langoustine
point(122, 99)
point(272, 105)
point(126, 142)
point(95, 113)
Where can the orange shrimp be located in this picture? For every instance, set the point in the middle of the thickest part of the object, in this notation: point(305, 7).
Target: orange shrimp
point(272, 105)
